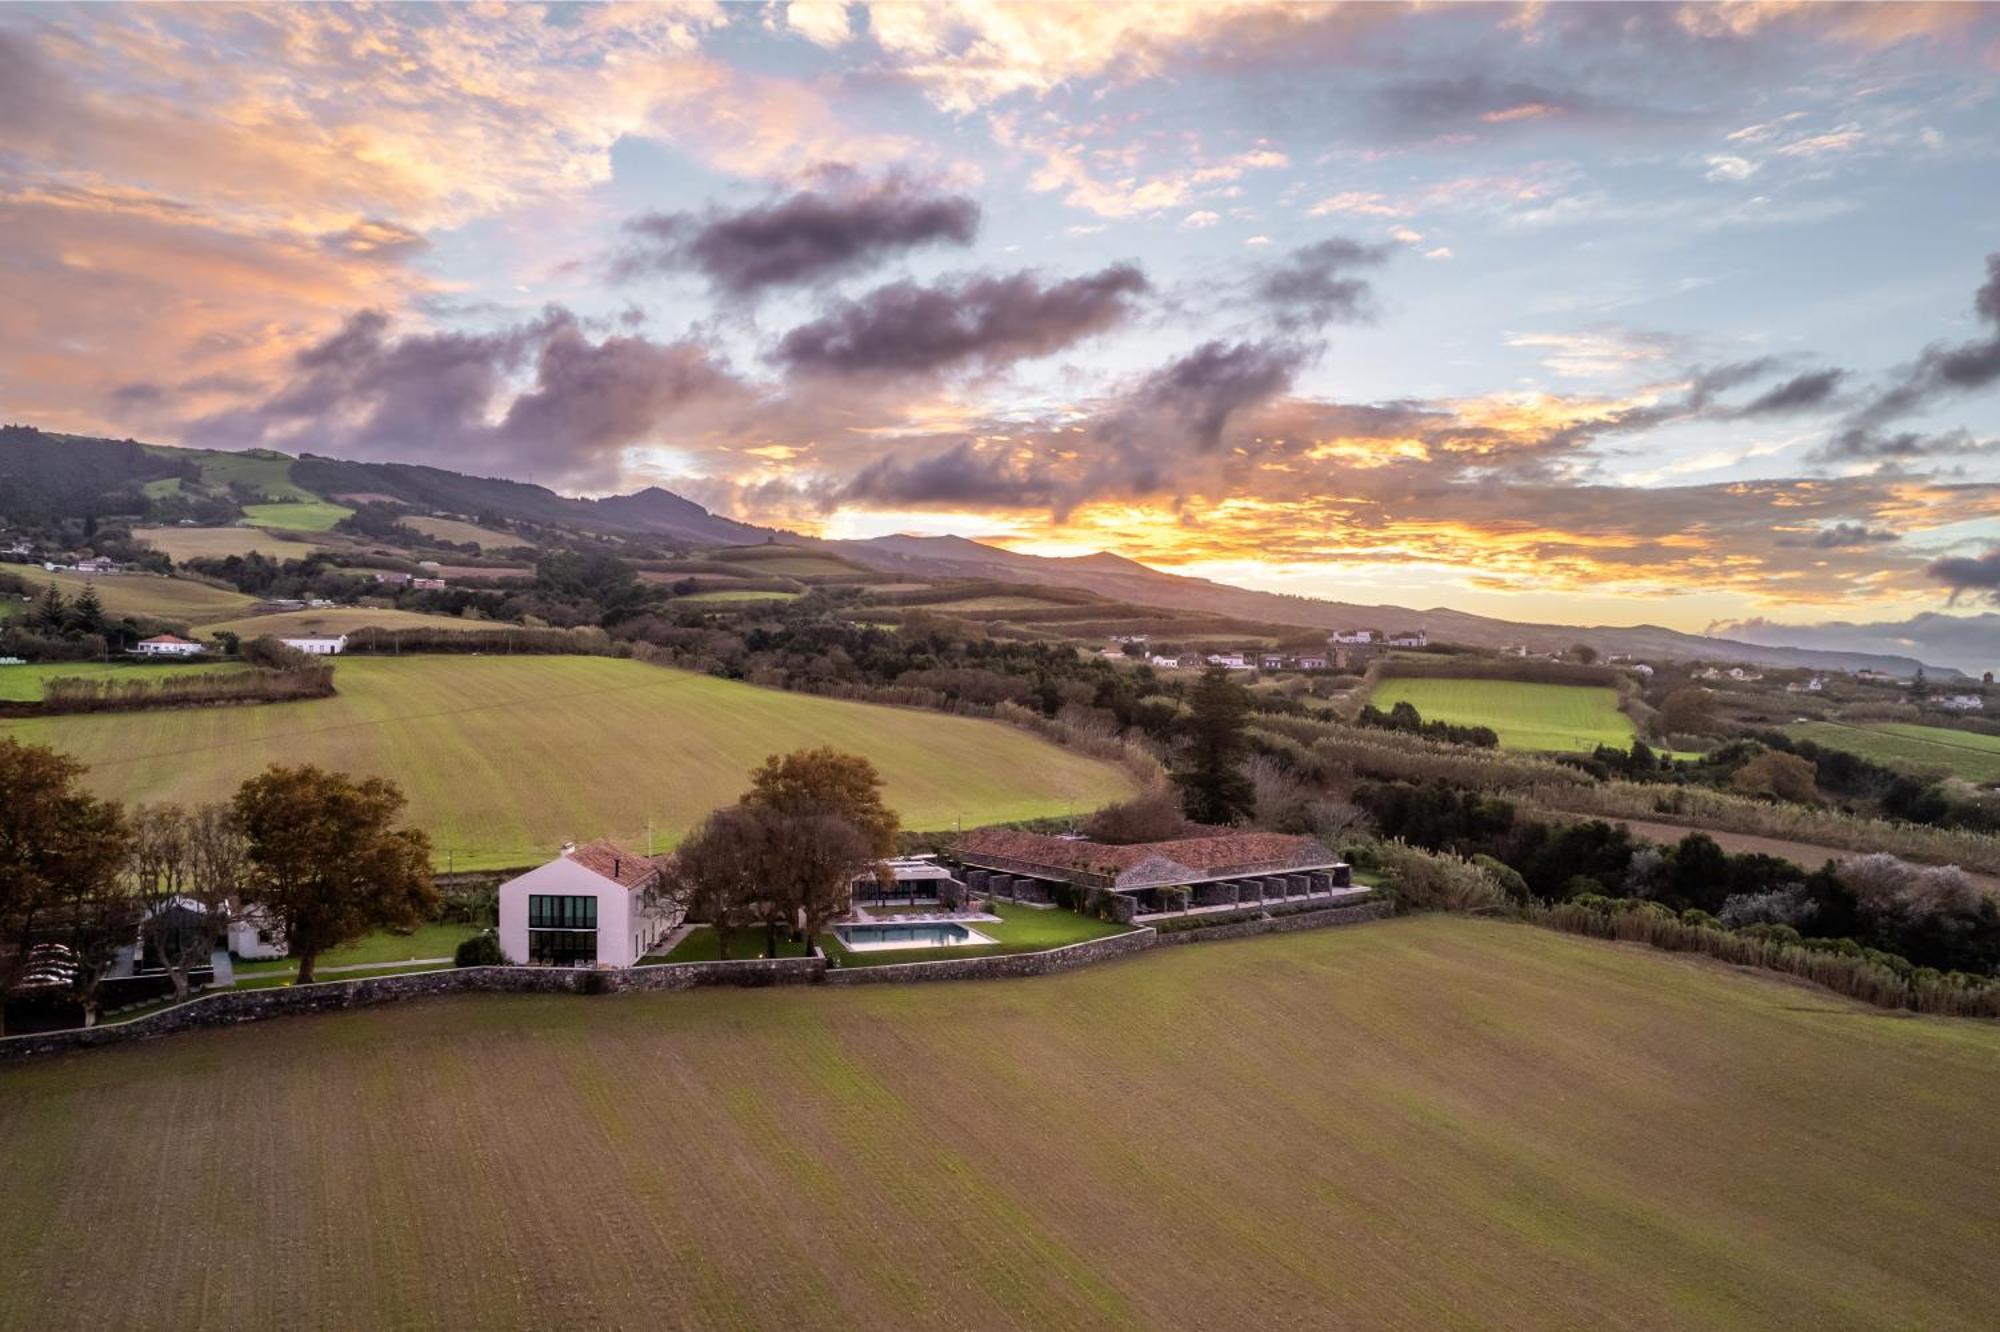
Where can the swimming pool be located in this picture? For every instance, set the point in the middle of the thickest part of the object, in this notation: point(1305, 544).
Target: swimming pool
point(937, 934)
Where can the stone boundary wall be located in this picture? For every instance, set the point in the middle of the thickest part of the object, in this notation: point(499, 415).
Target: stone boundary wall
point(227, 1007)
point(1358, 914)
point(999, 965)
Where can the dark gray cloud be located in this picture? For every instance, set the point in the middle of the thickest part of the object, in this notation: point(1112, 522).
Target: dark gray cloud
point(1840, 536)
point(450, 397)
point(909, 329)
point(1313, 286)
point(1798, 393)
point(1978, 575)
point(1201, 391)
point(1436, 106)
point(1940, 372)
point(803, 238)
point(965, 475)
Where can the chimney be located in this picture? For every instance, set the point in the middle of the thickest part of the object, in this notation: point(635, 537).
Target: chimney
point(569, 848)
point(615, 863)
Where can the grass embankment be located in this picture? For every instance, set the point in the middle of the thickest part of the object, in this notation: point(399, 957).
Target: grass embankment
point(740, 594)
point(1568, 718)
point(505, 758)
point(143, 594)
point(24, 683)
point(1914, 748)
point(1422, 1123)
point(309, 516)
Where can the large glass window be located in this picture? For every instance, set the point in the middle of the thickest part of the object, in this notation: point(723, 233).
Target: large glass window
point(550, 912)
point(562, 930)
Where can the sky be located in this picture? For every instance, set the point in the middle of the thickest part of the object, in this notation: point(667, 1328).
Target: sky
point(1677, 314)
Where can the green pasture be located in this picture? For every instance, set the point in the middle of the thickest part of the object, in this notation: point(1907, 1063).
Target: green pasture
point(1966, 754)
point(505, 758)
point(1572, 718)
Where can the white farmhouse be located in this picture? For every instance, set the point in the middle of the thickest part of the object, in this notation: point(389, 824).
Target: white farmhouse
point(168, 645)
point(254, 936)
point(318, 646)
point(1963, 702)
point(589, 907)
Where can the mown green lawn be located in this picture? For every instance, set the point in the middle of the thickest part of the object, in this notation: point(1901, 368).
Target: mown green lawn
point(1915, 748)
point(424, 942)
point(505, 758)
point(1425, 1123)
point(1570, 718)
point(703, 944)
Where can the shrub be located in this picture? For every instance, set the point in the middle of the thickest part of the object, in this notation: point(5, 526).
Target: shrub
point(1509, 878)
point(481, 950)
point(1429, 881)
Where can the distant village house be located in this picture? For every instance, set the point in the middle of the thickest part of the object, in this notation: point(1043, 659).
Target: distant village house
point(167, 645)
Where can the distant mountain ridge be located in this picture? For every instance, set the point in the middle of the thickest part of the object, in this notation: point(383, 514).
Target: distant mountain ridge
point(70, 470)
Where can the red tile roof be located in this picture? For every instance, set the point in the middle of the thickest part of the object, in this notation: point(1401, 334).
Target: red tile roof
point(605, 857)
point(168, 638)
point(1218, 854)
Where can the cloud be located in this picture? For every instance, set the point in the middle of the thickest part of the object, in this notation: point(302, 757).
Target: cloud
point(1811, 389)
point(983, 321)
point(822, 22)
point(1939, 372)
point(1600, 353)
point(1963, 574)
point(1728, 167)
point(966, 476)
point(1311, 287)
point(1199, 393)
point(1841, 536)
point(805, 237)
point(451, 398)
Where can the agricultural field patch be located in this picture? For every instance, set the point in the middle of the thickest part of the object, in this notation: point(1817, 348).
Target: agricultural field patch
point(313, 516)
point(1419, 1123)
point(144, 594)
point(505, 758)
point(740, 594)
point(1909, 746)
point(462, 533)
point(1005, 603)
point(784, 560)
point(342, 620)
point(269, 474)
point(24, 683)
point(1563, 718)
point(200, 543)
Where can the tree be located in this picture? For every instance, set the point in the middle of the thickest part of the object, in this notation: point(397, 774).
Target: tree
point(1780, 776)
point(98, 916)
point(1584, 654)
point(51, 613)
point(86, 613)
point(57, 843)
point(1213, 787)
point(1154, 815)
point(811, 790)
point(325, 861)
point(715, 874)
point(186, 869)
point(1688, 711)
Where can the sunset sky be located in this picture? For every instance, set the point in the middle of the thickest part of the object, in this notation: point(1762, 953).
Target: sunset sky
point(1681, 314)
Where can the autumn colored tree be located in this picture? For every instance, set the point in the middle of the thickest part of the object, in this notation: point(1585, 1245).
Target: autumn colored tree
point(716, 873)
point(325, 860)
point(1213, 786)
point(58, 844)
point(826, 781)
point(1780, 776)
point(1688, 711)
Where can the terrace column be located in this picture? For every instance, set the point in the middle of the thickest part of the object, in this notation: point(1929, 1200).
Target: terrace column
point(974, 879)
point(1343, 876)
point(1276, 887)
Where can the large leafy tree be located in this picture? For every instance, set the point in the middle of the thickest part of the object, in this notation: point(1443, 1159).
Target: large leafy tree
point(818, 795)
point(716, 874)
point(326, 861)
point(1214, 788)
point(59, 848)
point(187, 868)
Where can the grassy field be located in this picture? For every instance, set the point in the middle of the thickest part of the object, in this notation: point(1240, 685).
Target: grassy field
point(268, 473)
point(460, 533)
point(1421, 1124)
point(1003, 603)
point(192, 543)
point(144, 594)
point(505, 758)
point(784, 560)
point(22, 683)
point(343, 620)
point(312, 516)
point(1964, 754)
point(1527, 716)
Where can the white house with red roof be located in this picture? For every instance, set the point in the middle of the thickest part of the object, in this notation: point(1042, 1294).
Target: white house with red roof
point(168, 645)
point(592, 906)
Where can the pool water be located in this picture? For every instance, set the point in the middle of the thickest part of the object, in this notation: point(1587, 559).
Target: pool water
point(940, 934)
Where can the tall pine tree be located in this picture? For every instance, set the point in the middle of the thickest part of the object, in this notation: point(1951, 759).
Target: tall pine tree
point(51, 613)
point(1213, 786)
point(86, 613)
